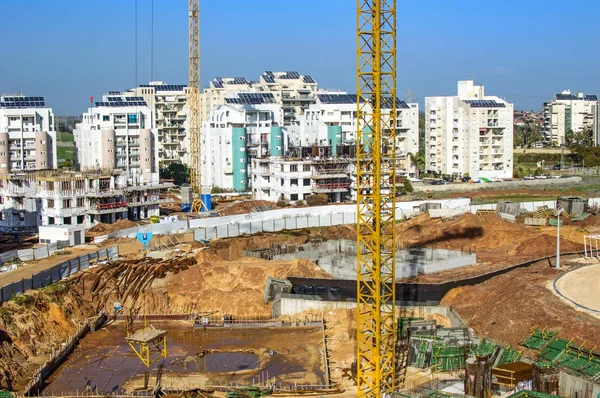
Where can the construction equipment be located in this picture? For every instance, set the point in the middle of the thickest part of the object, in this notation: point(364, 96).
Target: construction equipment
point(194, 103)
point(376, 192)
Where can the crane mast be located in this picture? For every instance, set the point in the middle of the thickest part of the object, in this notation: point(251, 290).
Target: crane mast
point(376, 193)
point(194, 102)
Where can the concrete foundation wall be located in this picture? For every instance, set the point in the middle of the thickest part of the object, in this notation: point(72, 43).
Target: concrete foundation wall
point(338, 259)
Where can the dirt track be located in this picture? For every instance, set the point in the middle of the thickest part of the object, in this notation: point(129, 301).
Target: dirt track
point(582, 286)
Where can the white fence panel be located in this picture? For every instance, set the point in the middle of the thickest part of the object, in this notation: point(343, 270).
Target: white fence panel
point(280, 225)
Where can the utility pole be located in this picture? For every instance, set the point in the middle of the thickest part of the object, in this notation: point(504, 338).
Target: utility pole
point(559, 209)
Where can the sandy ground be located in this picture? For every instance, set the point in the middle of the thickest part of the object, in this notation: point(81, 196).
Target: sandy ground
point(582, 286)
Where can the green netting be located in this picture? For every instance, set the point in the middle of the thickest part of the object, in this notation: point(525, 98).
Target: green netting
point(421, 354)
point(6, 394)
point(403, 321)
point(580, 217)
point(447, 358)
point(539, 338)
point(527, 394)
point(580, 361)
point(509, 355)
point(485, 347)
point(554, 350)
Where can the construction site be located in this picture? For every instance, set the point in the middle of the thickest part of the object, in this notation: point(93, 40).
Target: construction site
point(275, 314)
point(380, 298)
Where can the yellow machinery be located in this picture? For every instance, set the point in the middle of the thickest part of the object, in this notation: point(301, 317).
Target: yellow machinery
point(146, 341)
point(376, 185)
point(194, 103)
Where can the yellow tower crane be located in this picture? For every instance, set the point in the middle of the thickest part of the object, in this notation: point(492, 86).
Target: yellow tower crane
point(376, 193)
point(194, 104)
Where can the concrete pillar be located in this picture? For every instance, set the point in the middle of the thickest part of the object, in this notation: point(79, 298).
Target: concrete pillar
point(41, 150)
point(4, 162)
point(146, 146)
point(545, 378)
point(108, 156)
point(478, 376)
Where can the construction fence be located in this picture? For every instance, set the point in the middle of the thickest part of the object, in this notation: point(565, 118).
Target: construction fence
point(32, 254)
point(59, 271)
point(274, 225)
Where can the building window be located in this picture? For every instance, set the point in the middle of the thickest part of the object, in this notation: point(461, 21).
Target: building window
point(65, 185)
point(50, 203)
point(294, 181)
point(282, 182)
point(306, 182)
point(294, 196)
point(66, 203)
point(293, 167)
point(132, 119)
point(306, 167)
point(105, 118)
point(281, 168)
point(79, 202)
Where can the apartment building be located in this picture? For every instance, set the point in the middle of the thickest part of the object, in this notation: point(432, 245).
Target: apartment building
point(469, 133)
point(292, 91)
point(118, 134)
point(566, 112)
point(244, 128)
point(295, 179)
point(170, 111)
point(331, 122)
point(32, 199)
point(27, 134)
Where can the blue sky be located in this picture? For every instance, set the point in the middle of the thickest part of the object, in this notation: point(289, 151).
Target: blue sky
point(525, 51)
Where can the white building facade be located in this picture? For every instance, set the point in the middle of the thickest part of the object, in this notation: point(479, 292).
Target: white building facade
point(27, 134)
point(470, 133)
point(569, 112)
point(170, 111)
point(118, 134)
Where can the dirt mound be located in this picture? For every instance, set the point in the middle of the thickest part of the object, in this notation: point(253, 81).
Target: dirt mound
point(246, 207)
point(104, 229)
point(506, 307)
point(234, 287)
point(491, 237)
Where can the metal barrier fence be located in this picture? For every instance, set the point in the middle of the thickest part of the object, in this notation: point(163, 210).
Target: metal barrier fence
point(59, 271)
point(252, 227)
point(32, 254)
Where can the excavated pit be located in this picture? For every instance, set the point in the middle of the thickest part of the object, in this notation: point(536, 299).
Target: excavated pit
point(104, 363)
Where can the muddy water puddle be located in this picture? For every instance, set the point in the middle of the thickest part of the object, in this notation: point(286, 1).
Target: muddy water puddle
point(105, 363)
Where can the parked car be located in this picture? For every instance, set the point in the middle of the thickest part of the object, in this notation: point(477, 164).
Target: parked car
point(556, 167)
point(541, 177)
point(494, 179)
point(566, 176)
point(465, 179)
point(528, 177)
point(442, 182)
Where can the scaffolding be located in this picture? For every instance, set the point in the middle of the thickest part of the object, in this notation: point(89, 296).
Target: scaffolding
point(149, 344)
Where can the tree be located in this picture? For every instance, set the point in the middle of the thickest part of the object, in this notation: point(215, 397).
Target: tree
point(583, 137)
point(418, 160)
point(179, 172)
point(526, 135)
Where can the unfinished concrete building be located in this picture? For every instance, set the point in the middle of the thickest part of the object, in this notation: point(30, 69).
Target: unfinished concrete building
point(30, 200)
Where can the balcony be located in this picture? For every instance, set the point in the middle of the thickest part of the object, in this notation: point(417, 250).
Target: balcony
point(134, 143)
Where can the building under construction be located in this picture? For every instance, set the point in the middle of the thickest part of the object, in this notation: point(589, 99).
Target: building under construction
point(52, 197)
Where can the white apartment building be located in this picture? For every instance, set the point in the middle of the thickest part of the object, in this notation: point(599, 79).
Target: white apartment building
point(469, 133)
point(569, 112)
point(245, 127)
point(27, 135)
point(118, 134)
point(170, 112)
point(292, 91)
point(331, 121)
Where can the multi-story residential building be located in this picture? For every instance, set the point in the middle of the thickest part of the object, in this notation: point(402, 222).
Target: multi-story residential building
point(32, 199)
point(469, 133)
point(27, 135)
point(170, 117)
point(118, 134)
point(331, 121)
point(294, 179)
point(244, 128)
point(569, 112)
point(292, 91)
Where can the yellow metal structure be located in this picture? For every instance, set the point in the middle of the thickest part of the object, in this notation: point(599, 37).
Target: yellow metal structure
point(376, 185)
point(145, 341)
point(194, 103)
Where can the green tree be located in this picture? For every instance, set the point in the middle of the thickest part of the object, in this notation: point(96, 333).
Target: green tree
point(584, 137)
point(178, 171)
point(418, 160)
point(526, 135)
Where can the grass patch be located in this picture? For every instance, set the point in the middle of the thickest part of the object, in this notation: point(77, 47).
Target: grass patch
point(63, 153)
point(65, 137)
